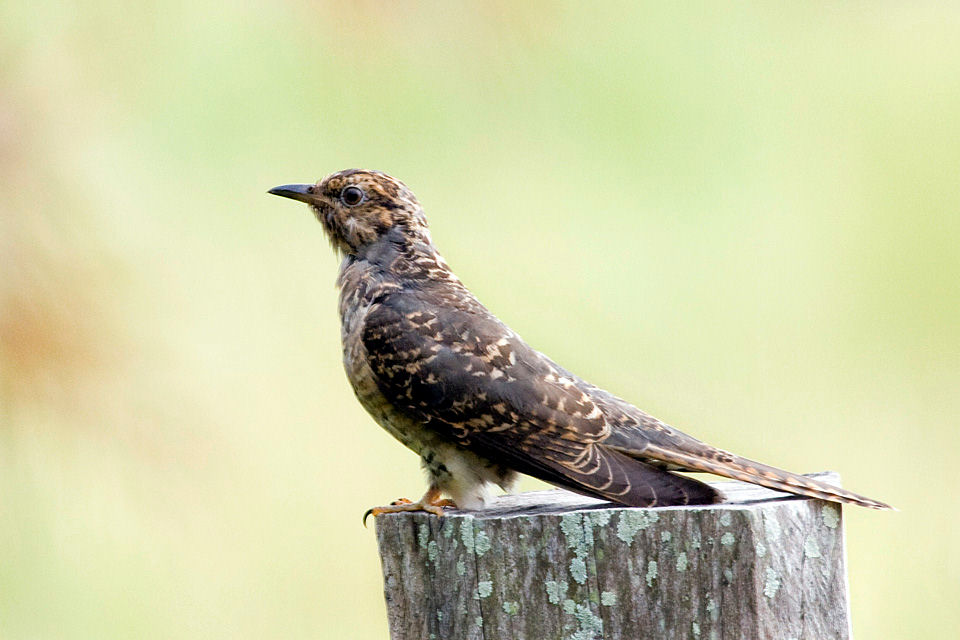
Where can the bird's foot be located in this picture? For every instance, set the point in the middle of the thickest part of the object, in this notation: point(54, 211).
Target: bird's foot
point(431, 502)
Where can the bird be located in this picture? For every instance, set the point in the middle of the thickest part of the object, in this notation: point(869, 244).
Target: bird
point(443, 375)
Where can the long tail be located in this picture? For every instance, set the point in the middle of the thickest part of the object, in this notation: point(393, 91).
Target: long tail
point(728, 465)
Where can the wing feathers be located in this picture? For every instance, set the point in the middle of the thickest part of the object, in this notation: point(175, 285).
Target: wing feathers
point(468, 377)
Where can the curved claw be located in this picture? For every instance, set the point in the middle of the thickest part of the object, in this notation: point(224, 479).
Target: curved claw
point(431, 503)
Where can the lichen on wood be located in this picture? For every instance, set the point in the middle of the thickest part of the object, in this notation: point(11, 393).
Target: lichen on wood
point(552, 564)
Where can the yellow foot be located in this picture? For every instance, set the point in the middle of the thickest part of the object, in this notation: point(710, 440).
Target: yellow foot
point(430, 502)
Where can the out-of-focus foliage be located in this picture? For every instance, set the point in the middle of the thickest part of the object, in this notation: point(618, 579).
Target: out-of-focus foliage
point(746, 219)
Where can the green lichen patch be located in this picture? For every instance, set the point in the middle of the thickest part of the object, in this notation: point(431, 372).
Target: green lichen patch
point(484, 589)
point(831, 515)
point(727, 539)
point(665, 536)
point(571, 525)
point(511, 608)
point(600, 518)
point(433, 550)
point(423, 535)
point(761, 549)
point(569, 606)
point(695, 629)
point(466, 533)
point(578, 570)
point(651, 572)
point(726, 518)
point(591, 626)
point(556, 590)
point(580, 540)
point(810, 548)
point(771, 584)
point(481, 542)
point(608, 599)
point(695, 539)
point(682, 561)
point(461, 567)
point(630, 522)
point(712, 609)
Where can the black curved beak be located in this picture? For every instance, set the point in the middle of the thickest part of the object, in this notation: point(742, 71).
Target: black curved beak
point(301, 192)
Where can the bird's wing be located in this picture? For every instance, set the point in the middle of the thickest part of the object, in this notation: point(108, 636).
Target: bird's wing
point(467, 376)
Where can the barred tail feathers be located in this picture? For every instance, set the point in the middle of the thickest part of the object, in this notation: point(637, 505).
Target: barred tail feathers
point(746, 470)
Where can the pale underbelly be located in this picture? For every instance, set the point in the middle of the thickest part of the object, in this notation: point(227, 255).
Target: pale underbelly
point(465, 476)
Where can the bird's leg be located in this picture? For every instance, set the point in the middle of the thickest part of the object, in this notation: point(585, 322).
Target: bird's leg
point(431, 502)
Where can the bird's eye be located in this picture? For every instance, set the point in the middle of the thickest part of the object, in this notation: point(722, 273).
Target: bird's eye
point(351, 196)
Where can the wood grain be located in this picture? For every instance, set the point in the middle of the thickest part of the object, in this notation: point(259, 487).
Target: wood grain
point(552, 564)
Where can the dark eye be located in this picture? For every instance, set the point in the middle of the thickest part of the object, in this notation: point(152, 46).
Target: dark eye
point(351, 196)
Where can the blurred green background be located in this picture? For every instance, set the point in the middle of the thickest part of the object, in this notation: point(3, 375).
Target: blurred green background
point(745, 218)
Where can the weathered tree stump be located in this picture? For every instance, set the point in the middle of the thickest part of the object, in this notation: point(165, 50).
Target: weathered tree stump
point(553, 564)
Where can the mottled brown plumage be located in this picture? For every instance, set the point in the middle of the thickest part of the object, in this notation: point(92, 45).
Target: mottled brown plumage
point(445, 377)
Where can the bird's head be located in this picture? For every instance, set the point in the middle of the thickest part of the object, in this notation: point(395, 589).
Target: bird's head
point(358, 208)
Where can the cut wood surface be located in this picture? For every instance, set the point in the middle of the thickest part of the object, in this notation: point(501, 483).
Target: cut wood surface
point(553, 564)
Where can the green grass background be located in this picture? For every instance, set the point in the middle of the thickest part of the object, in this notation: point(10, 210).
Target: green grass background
point(745, 218)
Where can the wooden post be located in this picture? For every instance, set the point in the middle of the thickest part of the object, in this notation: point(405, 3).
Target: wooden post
point(552, 564)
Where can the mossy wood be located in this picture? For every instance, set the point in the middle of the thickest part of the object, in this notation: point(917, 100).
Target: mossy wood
point(552, 564)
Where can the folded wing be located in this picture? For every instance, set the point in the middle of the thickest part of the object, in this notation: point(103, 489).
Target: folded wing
point(470, 378)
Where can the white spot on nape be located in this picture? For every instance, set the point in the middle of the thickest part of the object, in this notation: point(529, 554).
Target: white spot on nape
point(496, 373)
point(593, 415)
